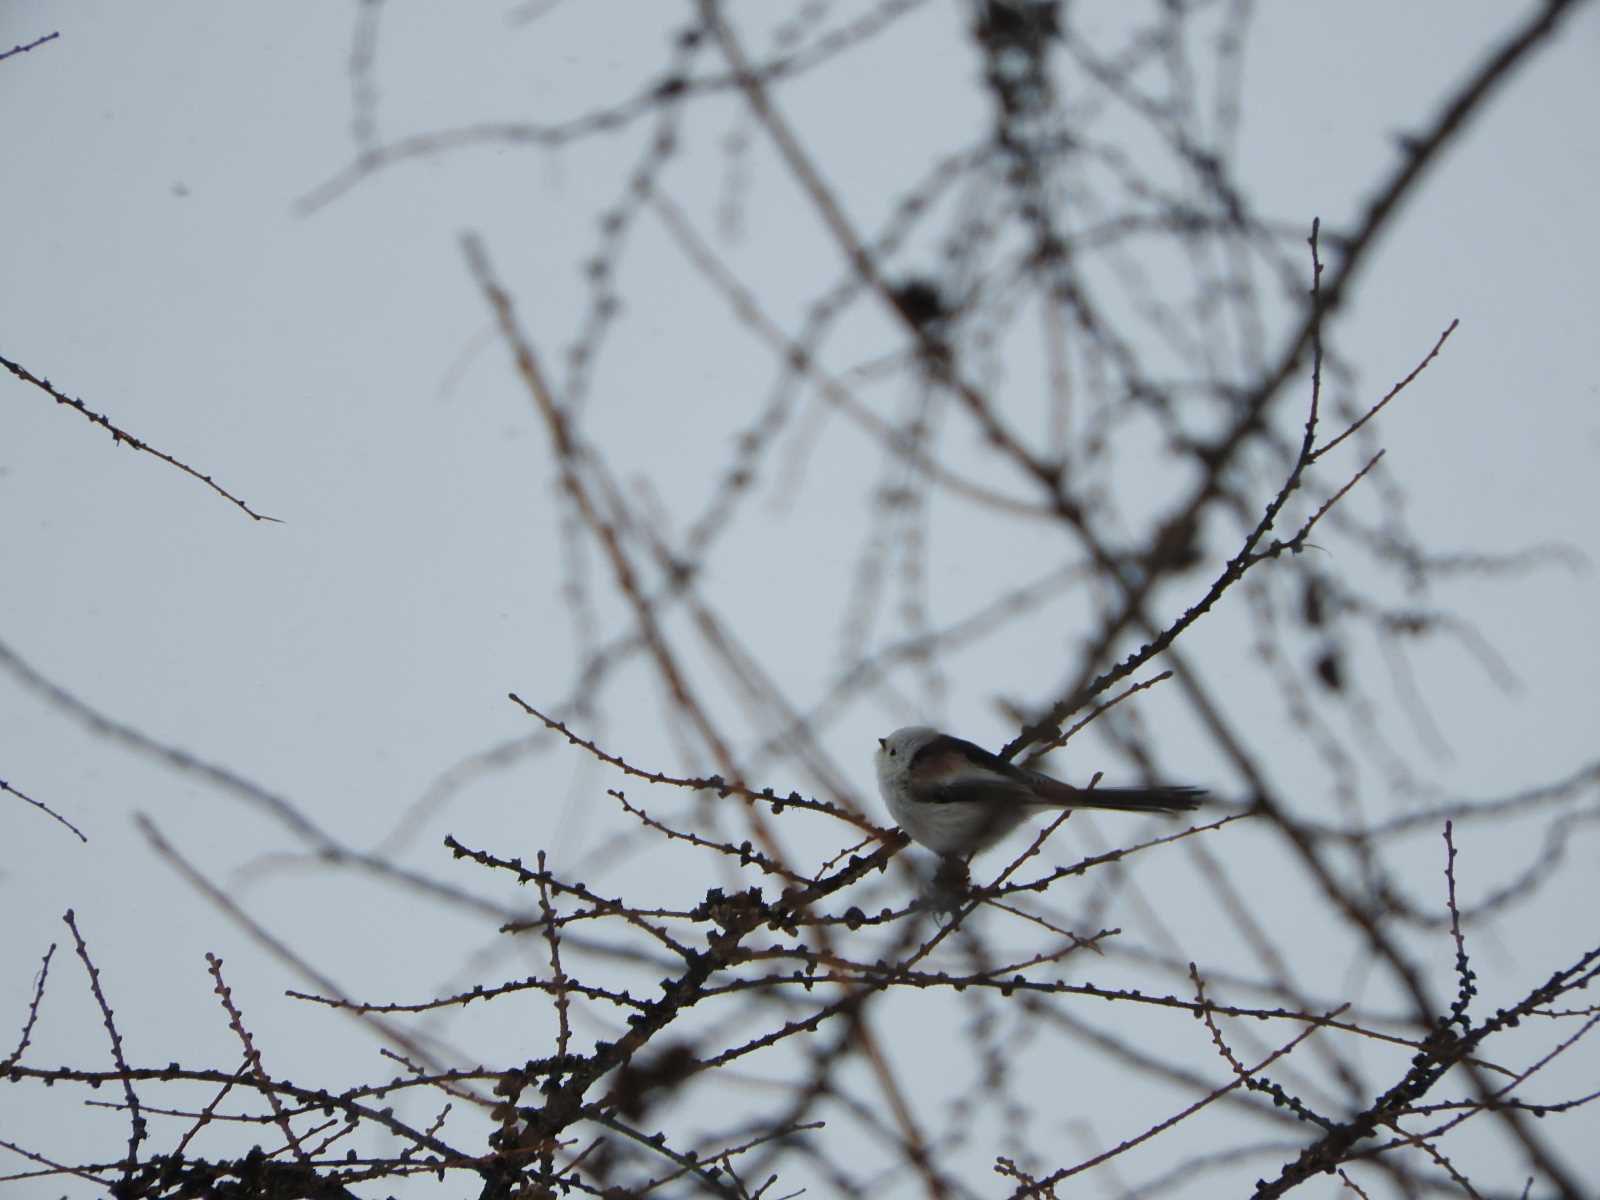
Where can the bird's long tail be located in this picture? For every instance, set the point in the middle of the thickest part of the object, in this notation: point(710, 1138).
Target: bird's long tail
point(1124, 799)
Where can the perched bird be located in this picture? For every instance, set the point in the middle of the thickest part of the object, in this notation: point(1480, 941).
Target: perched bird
point(957, 798)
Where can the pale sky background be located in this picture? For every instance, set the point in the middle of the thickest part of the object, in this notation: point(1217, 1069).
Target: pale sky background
point(331, 368)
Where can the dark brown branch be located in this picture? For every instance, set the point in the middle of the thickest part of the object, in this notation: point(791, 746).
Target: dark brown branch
point(122, 437)
point(23, 48)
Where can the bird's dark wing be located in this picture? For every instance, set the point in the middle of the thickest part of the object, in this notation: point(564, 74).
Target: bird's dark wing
point(950, 770)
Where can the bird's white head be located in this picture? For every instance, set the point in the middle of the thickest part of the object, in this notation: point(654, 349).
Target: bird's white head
point(896, 751)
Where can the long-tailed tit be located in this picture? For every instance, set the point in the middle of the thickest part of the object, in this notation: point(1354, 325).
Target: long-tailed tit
point(957, 798)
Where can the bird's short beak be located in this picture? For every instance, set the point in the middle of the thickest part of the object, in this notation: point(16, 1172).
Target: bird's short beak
point(882, 742)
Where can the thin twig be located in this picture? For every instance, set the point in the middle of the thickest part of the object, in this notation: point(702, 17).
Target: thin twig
point(123, 437)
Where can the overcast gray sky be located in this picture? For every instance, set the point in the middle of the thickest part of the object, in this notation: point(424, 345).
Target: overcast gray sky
point(331, 363)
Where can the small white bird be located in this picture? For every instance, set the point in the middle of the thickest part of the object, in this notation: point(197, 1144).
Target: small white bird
point(957, 798)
